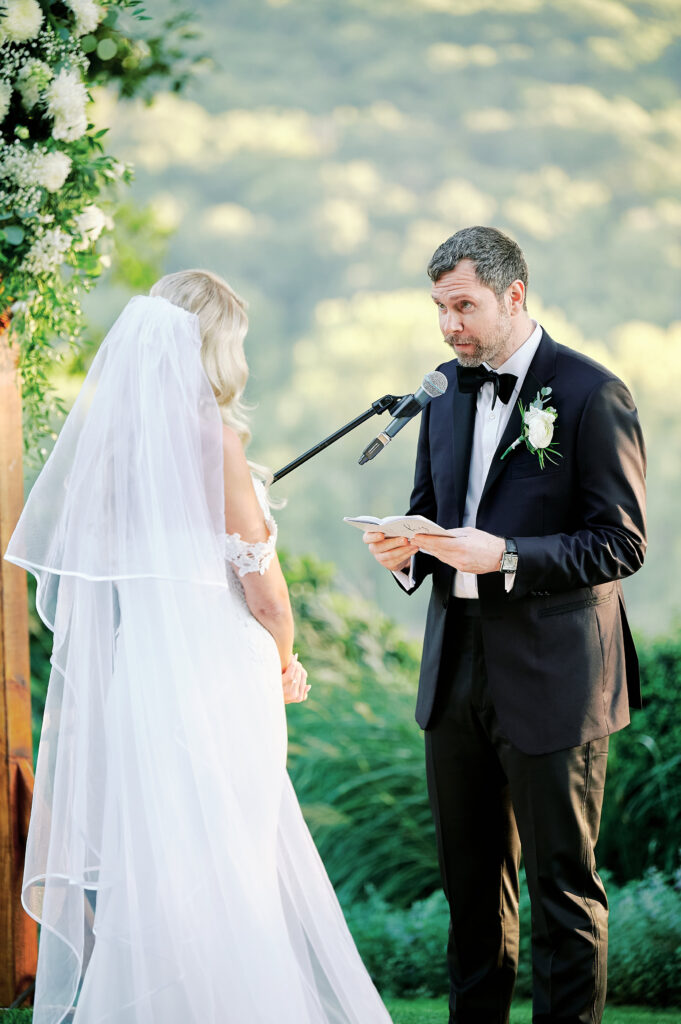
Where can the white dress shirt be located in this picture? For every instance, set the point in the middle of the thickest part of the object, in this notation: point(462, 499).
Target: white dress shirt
point(488, 429)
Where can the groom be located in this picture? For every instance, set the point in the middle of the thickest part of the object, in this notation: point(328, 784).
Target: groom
point(528, 662)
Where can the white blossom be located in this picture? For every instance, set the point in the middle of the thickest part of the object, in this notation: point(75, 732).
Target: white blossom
point(66, 99)
point(29, 169)
point(52, 170)
point(47, 251)
point(17, 167)
point(5, 97)
point(88, 15)
point(89, 224)
point(21, 21)
point(539, 424)
point(32, 81)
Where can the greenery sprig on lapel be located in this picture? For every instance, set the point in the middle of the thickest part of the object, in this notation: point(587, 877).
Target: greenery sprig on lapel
point(538, 421)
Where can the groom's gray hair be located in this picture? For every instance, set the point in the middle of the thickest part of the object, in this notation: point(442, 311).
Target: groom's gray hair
point(498, 260)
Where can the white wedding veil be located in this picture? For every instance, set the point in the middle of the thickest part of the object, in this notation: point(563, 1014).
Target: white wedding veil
point(161, 790)
point(123, 523)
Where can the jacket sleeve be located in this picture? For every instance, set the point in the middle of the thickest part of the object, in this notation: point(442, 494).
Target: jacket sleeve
point(422, 501)
point(612, 542)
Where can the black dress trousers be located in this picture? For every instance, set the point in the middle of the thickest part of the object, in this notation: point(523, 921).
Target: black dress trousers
point(489, 800)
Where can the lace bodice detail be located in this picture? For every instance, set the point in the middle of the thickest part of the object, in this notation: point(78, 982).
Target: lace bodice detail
point(245, 557)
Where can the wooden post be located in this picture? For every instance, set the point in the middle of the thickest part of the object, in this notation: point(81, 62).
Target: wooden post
point(18, 933)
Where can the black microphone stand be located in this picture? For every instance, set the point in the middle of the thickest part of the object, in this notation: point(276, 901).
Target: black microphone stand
point(386, 404)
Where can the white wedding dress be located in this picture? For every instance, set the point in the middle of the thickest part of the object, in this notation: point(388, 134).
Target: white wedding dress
point(168, 860)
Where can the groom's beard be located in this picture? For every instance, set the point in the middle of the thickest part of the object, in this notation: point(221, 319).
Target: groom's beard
point(485, 350)
point(474, 358)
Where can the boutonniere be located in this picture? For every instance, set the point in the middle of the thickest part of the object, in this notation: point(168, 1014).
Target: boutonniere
point(538, 420)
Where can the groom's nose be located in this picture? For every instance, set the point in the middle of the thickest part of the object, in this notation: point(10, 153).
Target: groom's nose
point(451, 323)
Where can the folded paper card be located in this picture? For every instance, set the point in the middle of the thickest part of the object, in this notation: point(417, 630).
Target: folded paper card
point(398, 526)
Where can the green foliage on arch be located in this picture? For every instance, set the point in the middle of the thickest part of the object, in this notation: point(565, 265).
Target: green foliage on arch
point(59, 185)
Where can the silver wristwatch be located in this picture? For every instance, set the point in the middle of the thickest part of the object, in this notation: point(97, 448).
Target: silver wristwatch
point(509, 559)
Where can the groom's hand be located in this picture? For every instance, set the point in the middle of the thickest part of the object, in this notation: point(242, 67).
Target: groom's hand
point(468, 549)
point(393, 553)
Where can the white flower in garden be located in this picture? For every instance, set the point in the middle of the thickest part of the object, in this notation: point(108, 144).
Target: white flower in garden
point(89, 224)
point(52, 170)
point(21, 21)
point(32, 169)
point(539, 423)
point(66, 99)
point(88, 15)
point(33, 80)
point(47, 252)
point(5, 97)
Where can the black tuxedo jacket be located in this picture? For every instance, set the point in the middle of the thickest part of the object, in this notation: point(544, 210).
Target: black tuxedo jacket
point(560, 660)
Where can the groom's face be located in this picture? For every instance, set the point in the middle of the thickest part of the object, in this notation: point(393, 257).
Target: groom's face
point(472, 320)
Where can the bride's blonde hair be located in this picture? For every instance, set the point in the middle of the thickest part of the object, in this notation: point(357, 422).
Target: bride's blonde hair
point(223, 324)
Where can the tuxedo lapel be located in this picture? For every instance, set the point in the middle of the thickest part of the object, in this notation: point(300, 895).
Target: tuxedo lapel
point(542, 369)
point(464, 408)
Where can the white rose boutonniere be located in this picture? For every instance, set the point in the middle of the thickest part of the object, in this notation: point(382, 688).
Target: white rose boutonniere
point(538, 420)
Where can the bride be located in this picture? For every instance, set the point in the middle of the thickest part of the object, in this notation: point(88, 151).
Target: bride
point(168, 862)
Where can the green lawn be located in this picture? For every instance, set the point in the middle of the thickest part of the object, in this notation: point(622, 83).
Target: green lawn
point(434, 1011)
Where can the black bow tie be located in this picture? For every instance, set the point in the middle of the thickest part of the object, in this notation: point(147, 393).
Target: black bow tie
point(471, 378)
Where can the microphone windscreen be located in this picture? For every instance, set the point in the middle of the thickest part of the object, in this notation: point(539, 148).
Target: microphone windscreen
point(434, 383)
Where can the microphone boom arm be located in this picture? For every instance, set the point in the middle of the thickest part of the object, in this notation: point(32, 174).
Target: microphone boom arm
point(388, 403)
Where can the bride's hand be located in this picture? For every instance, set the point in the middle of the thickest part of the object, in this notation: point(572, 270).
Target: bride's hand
point(294, 682)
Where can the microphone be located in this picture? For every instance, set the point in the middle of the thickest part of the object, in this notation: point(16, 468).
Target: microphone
point(433, 385)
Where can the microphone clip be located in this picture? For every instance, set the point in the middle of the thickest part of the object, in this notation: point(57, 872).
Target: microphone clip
point(388, 403)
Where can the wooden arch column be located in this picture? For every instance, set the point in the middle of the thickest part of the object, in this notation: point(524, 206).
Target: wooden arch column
point(18, 933)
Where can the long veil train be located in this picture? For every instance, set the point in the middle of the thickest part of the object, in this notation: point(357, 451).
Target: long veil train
point(161, 785)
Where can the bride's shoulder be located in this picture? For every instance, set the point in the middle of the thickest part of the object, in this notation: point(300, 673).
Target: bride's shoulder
point(231, 442)
point(232, 447)
point(234, 457)
point(238, 473)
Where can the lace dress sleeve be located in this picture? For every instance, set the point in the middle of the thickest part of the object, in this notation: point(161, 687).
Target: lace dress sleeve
point(246, 557)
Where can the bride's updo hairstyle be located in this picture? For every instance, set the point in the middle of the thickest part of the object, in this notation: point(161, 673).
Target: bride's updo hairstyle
point(223, 324)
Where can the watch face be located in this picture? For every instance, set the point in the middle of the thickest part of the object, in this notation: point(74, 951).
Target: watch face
point(509, 561)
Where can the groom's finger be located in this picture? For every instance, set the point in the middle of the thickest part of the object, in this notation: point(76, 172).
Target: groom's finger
point(382, 543)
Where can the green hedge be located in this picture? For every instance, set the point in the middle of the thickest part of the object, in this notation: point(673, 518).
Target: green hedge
point(404, 949)
point(641, 825)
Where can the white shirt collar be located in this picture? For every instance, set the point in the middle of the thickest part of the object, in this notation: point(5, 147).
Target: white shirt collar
point(519, 362)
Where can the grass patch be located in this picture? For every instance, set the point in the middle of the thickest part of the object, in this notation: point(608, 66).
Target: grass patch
point(434, 1011)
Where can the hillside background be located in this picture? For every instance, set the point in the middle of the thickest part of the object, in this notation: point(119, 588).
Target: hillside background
point(328, 150)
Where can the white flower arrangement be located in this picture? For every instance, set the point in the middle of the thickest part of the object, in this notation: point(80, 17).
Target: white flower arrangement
point(66, 98)
point(88, 15)
point(22, 20)
point(32, 169)
point(32, 81)
point(5, 97)
point(53, 169)
point(47, 251)
point(538, 421)
point(89, 225)
point(56, 180)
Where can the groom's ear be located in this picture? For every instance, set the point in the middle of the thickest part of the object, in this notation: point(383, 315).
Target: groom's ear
point(514, 297)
